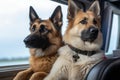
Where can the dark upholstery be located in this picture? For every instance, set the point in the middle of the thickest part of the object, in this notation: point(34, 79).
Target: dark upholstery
point(108, 69)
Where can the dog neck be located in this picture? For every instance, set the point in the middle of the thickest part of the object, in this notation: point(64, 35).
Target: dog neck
point(83, 52)
point(78, 51)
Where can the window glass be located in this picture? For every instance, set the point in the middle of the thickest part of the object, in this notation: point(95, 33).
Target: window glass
point(119, 32)
point(114, 37)
point(14, 27)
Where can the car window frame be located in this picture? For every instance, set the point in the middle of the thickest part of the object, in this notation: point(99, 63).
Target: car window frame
point(107, 19)
point(9, 72)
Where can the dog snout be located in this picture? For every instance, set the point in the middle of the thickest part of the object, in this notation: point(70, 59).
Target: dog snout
point(30, 40)
point(26, 40)
point(89, 34)
point(35, 41)
point(93, 30)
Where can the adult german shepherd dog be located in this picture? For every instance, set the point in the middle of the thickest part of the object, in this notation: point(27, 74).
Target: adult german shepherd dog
point(83, 40)
point(44, 41)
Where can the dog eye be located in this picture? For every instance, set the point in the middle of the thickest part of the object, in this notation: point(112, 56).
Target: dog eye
point(94, 21)
point(83, 22)
point(33, 28)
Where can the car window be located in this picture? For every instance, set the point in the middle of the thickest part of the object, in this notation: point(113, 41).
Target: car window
point(115, 34)
point(14, 27)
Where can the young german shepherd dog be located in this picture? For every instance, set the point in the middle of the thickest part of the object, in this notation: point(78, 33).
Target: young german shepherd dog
point(43, 42)
point(83, 40)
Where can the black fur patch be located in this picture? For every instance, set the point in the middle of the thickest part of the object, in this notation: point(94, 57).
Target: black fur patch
point(90, 34)
point(34, 41)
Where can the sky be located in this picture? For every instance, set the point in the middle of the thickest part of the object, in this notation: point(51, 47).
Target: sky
point(14, 24)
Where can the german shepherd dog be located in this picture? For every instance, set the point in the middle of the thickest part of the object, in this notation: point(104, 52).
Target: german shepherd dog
point(83, 40)
point(44, 41)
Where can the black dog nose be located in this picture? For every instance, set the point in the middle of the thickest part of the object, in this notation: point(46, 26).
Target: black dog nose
point(26, 40)
point(89, 34)
point(93, 30)
point(29, 39)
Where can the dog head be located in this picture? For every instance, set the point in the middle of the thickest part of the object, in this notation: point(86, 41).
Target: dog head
point(44, 33)
point(83, 31)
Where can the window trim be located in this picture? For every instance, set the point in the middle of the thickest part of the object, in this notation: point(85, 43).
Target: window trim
point(61, 1)
point(9, 72)
point(107, 24)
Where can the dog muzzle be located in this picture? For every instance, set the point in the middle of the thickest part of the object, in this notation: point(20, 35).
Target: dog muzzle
point(90, 34)
point(34, 41)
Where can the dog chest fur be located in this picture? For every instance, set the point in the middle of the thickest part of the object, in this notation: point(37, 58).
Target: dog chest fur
point(43, 64)
point(66, 69)
point(83, 64)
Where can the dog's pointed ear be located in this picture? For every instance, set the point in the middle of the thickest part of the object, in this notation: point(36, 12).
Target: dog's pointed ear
point(95, 7)
point(56, 18)
point(32, 14)
point(72, 9)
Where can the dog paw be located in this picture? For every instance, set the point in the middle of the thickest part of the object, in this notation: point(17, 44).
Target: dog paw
point(20, 76)
point(38, 76)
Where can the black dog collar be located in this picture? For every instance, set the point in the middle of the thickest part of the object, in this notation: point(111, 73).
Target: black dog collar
point(87, 53)
point(78, 51)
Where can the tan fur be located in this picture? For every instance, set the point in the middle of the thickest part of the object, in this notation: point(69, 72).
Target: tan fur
point(41, 61)
point(65, 68)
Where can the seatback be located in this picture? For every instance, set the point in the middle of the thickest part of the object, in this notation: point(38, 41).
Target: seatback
point(108, 69)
